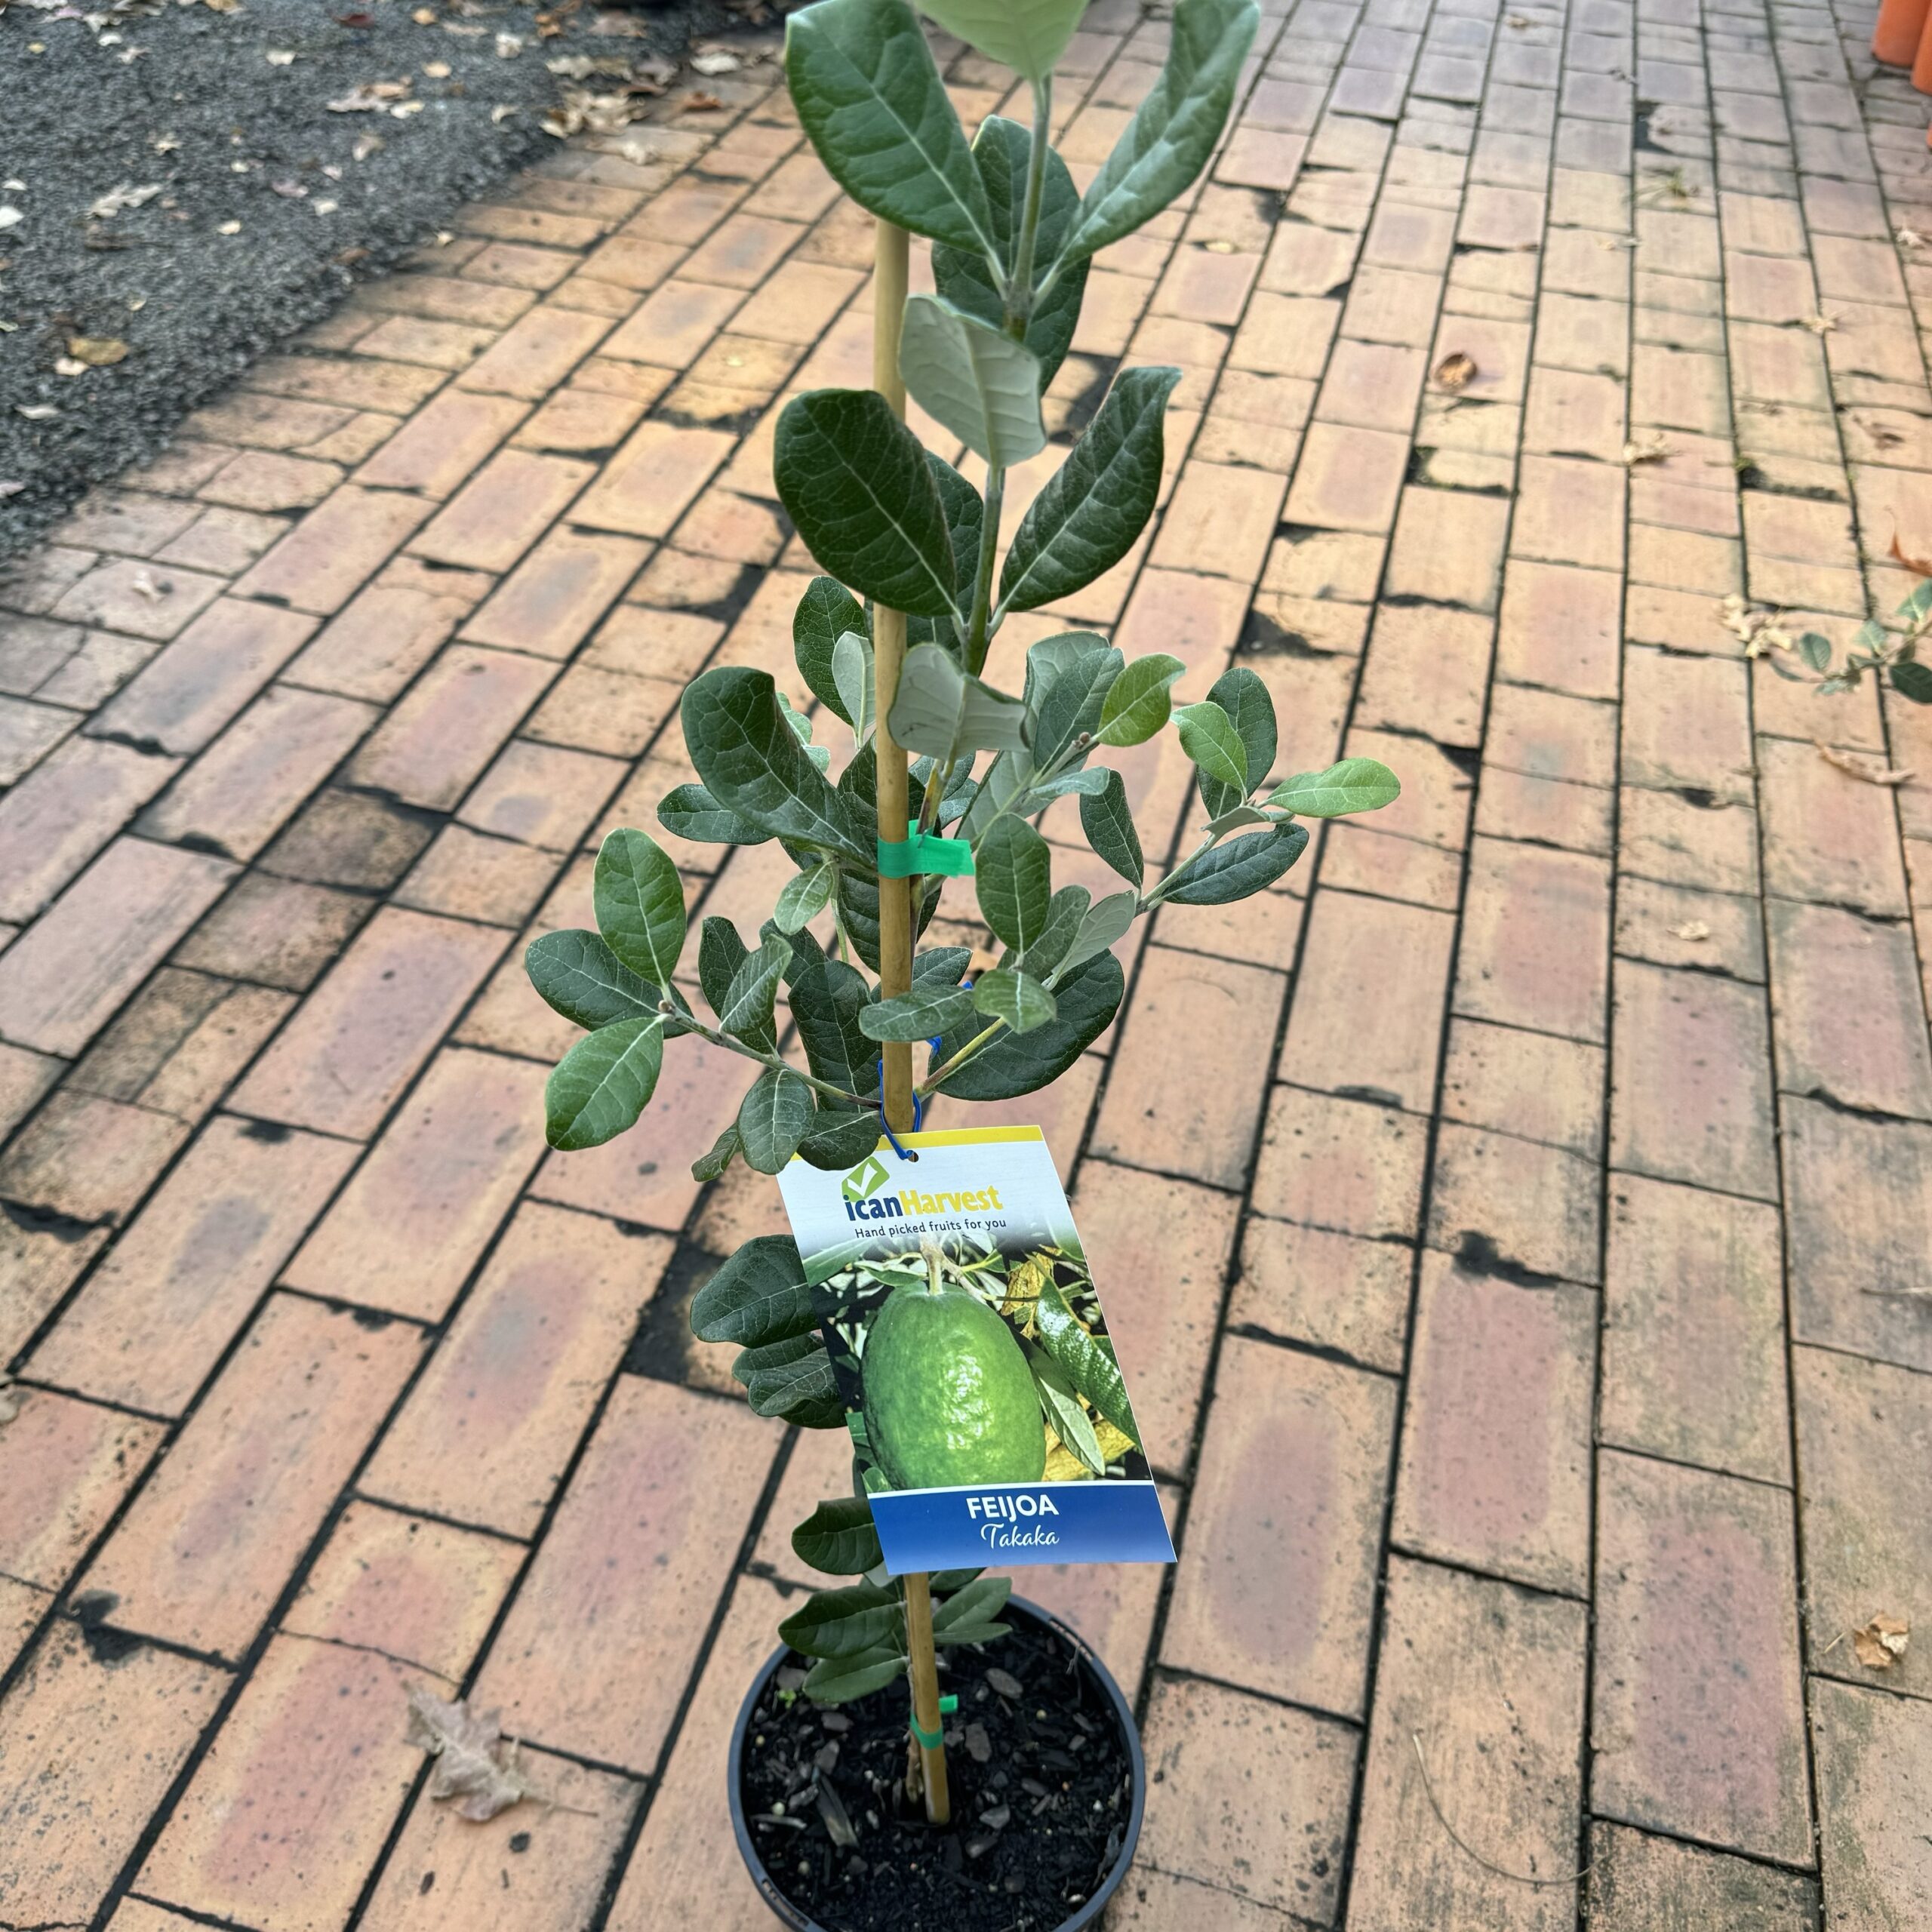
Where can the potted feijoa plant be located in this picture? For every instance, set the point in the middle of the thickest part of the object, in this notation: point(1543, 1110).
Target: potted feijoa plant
point(918, 768)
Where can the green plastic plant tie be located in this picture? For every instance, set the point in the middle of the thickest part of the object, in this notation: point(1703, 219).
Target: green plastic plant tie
point(933, 1739)
point(922, 854)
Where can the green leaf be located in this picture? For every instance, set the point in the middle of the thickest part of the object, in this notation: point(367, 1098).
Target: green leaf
point(577, 975)
point(1012, 871)
point(1108, 825)
point(839, 1680)
point(1068, 678)
point(1250, 709)
point(1224, 873)
point(1016, 1063)
point(723, 1150)
point(774, 1117)
point(966, 278)
point(757, 1297)
point(1355, 785)
point(1089, 1363)
point(1027, 35)
point(1107, 921)
point(1913, 680)
point(600, 1087)
point(825, 614)
point(941, 966)
point(692, 813)
point(752, 763)
point(922, 1014)
point(974, 380)
point(838, 1538)
point(839, 1140)
point(639, 901)
point(1137, 704)
point(1175, 130)
point(1816, 650)
point(1208, 736)
point(827, 997)
point(942, 711)
point(858, 907)
point(1061, 1401)
point(965, 519)
point(748, 1012)
point(852, 672)
point(977, 1602)
point(792, 1379)
point(720, 954)
point(873, 105)
point(842, 1622)
point(1096, 504)
point(856, 484)
point(1004, 993)
point(805, 896)
point(1064, 912)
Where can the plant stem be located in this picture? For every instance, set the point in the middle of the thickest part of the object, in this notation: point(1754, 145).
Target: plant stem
point(1020, 291)
point(978, 634)
point(691, 1022)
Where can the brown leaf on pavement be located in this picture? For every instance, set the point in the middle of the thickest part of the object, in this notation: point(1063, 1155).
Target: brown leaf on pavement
point(1881, 1643)
point(1456, 371)
point(1872, 771)
point(98, 352)
point(473, 1762)
point(1918, 566)
point(1693, 930)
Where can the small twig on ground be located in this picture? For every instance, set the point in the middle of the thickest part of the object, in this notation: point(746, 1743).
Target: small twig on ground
point(1462, 1844)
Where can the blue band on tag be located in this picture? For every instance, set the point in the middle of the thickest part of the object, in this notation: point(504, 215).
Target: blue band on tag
point(1021, 1523)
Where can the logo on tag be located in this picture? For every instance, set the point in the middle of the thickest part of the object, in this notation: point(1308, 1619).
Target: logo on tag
point(865, 1180)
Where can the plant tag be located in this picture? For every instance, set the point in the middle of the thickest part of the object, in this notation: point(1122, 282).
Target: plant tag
point(989, 1419)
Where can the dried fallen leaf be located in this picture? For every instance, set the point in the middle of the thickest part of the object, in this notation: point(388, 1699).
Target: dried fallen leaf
point(403, 109)
point(97, 352)
point(1873, 772)
point(1693, 930)
point(228, 228)
point(36, 412)
point(9, 217)
point(501, 112)
point(1918, 566)
point(67, 365)
point(1908, 238)
point(8, 488)
point(125, 196)
point(11, 1397)
point(473, 1763)
point(437, 70)
point(1877, 1647)
point(712, 64)
point(365, 146)
point(508, 46)
point(424, 17)
point(280, 57)
point(1456, 371)
point(699, 103)
point(372, 98)
point(1759, 631)
point(1652, 448)
point(1819, 325)
point(293, 191)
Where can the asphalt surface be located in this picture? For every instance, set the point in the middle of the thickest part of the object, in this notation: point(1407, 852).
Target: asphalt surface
point(247, 207)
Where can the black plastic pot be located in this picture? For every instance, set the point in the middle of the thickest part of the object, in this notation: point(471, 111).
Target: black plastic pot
point(1089, 1914)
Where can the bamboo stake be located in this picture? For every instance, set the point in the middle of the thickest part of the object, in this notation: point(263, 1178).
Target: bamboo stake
point(896, 901)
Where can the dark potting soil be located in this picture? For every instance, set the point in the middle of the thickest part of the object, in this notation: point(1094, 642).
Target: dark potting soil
point(1042, 1790)
point(238, 207)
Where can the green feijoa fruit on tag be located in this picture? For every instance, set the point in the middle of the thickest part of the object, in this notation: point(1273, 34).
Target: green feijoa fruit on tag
point(948, 1397)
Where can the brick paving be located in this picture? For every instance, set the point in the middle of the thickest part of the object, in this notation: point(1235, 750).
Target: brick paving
point(1517, 1226)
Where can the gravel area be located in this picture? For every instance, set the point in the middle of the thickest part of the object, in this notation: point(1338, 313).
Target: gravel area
point(177, 192)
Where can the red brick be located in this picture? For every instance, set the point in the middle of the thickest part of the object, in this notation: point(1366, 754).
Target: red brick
point(797, 303)
point(139, 600)
point(1495, 1471)
point(1691, 1095)
point(240, 792)
point(261, 480)
point(675, 1875)
point(1671, 925)
point(61, 983)
point(372, 650)
point(1348, 479)
point(1448, 548)
point(326, 558)
point(24, 1078)
point(209, 1544)
point(1426, 673)
point(673, 323)
point(1827, 836)
point(87, 1749)
point(1340, 1164)
point(558, 593)
point(123, 521)
point(1639, 1884)
point(1219, 520)
point(68, 1465)
point(1871, 1748)
point(541, 795)
point(1534, 1085)
point(649, 483)
point(186, 1277)
point(1275, 1833)
point(536, 353)
point(448, 1874)
point(340, 1063)
point(600, 711)
point(84, 1158)
point(594, 1657)
point(64, 811)
point(501, 512)
point(291, 1807)
point(224, 540)
point(1335, 1291)
point(1489, 1678)
point(1187, 1084)
point(439, 446)
point(1535, 939)
point(431, 746)
point(188, 693)
point(1276, 1590)
point(487, 1433)
point(1705, 1740)
point(278, 932)
point(1162, 1247)
point(1526, 1205)
point(468, 875)
point(1382, 1048)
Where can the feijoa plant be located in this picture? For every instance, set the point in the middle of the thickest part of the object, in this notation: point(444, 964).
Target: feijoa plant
point(892, 642)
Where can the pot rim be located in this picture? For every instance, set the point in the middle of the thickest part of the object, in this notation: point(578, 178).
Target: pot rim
point(1091, 1908)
